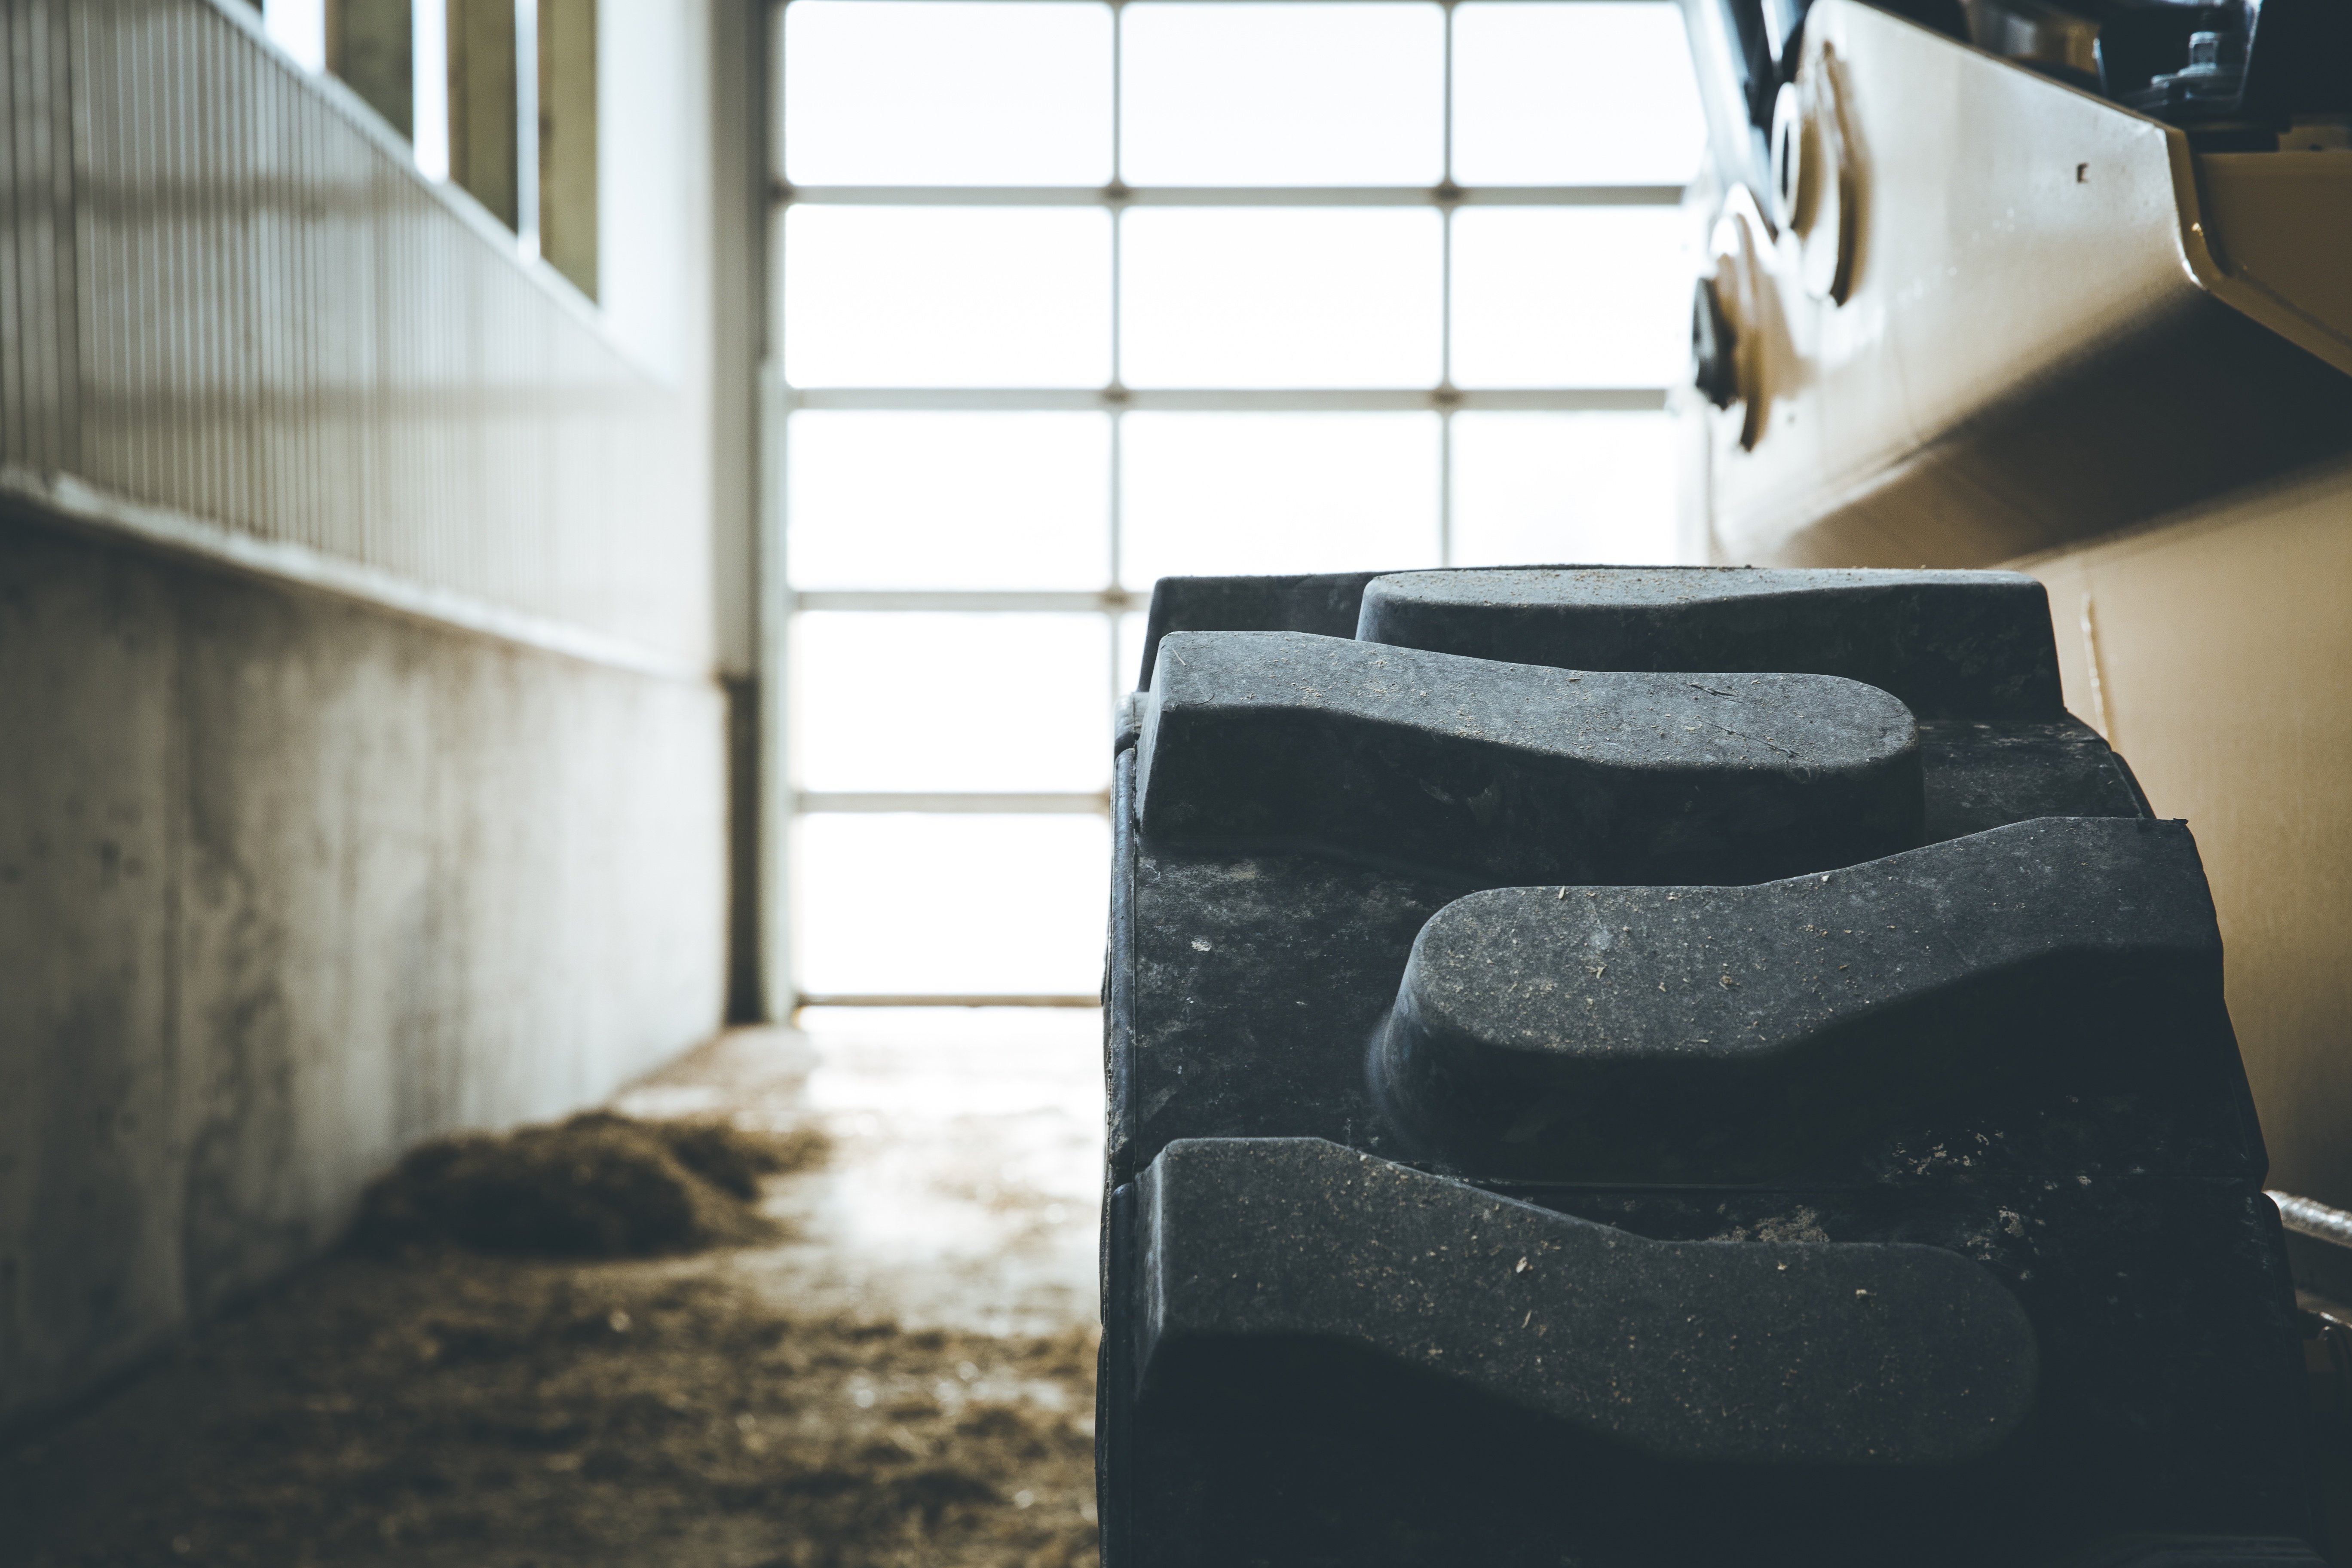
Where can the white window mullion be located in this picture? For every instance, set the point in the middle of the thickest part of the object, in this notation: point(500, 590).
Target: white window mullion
point(1445, 322)
point(1446, 487)
point(970, 600)
point(935, 803)
point(1493, 442)
point(1234, 400)
point(1613, 195)
point(1448, 178)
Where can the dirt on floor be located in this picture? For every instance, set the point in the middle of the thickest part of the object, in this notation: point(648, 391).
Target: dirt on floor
point(416, 1403)
point(596, 1186)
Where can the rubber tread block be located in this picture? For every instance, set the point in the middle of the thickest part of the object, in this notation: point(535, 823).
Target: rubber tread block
point(2200, 1551)
point(1712, 1352)
point(1244, 988)
point(1325, 603)
point(1708, 1033)
point(1952, 644)
point(1283, 739)
point(1979, 775)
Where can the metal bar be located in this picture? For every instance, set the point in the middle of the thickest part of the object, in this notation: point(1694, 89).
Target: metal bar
point(1227, 195)
point(982, 601)
point(861, 999)
point(2307, 1216)
point(954, 802)
point(1239, 400)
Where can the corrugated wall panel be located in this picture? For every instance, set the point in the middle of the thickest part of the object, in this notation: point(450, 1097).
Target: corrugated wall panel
point(222, 295)
point(41, 338)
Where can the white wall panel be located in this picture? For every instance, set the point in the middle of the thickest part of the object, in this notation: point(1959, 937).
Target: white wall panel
point(225, 291)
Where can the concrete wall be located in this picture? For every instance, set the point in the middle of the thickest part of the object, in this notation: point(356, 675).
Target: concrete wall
point(2220, 641)
point(366, 598)
point(287, 883)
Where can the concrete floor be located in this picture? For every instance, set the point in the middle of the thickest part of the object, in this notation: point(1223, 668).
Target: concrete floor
point(920, 1336)
point(965, 1186)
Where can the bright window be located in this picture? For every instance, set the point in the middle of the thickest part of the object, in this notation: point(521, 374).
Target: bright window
point(1070, 297)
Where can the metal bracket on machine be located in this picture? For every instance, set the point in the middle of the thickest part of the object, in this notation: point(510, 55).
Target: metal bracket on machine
point(2028, 350)
point(1814, 188)
point(1727, 327)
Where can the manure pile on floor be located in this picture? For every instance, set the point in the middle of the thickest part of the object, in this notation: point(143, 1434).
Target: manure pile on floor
point(416, 1404)
point(598, 1185)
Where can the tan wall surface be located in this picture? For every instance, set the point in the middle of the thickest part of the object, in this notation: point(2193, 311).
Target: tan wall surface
point(2223, 650)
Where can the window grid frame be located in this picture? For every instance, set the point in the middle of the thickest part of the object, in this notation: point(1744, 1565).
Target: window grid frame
point(1115, 399)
